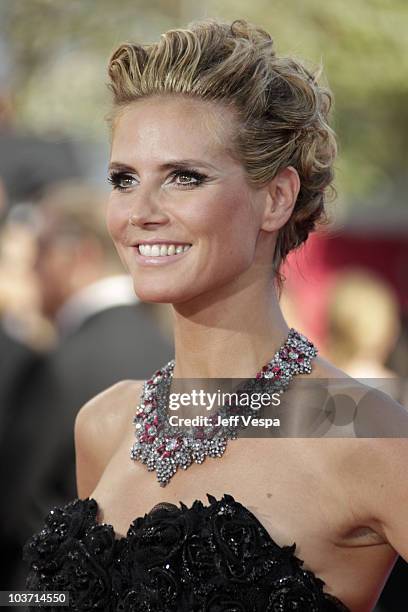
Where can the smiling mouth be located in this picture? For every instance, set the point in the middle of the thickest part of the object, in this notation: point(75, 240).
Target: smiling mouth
point(162, 250)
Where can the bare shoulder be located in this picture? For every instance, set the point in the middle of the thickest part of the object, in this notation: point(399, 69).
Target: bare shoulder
point(377, 425)
point(110, 408)
point(99, 427)
point(376, 412)
point(322, 368)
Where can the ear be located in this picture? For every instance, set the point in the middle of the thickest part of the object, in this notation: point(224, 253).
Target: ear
point(282, 193)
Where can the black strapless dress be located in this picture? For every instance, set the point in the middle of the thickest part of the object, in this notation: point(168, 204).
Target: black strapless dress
point(215, 558)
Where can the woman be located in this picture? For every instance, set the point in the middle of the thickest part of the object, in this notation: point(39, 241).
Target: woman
point(221, 161)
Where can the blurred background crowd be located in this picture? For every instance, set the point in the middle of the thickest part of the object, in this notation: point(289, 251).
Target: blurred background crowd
point(70, 324)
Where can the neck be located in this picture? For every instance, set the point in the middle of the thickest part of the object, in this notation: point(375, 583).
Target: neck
point(228, 335)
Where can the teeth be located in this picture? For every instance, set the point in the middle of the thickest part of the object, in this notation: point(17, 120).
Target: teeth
point(162, 250)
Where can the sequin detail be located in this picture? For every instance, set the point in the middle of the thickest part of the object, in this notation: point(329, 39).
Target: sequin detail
point(164, 450)
point(215, 558)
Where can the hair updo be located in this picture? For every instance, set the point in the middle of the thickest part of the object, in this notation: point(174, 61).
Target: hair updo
point(282, 109)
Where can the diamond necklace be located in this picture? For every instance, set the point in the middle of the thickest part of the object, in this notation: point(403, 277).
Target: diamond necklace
point(164, 448)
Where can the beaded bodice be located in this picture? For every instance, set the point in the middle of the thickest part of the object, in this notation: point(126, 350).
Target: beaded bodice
point(214, 558)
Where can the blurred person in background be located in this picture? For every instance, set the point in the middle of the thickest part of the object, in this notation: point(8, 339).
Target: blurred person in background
point(363, 323)
point(17, 363)
point(20, 297)
point(23, 334)
point(103, 334)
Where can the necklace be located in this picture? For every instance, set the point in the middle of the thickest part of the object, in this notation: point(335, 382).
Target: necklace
point(165, 448)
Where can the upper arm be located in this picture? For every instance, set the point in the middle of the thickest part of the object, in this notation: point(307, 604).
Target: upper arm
point(391, 497)
point(98, 429)
point(382, 467)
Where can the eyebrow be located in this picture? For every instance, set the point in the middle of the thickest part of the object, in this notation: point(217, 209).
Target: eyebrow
point(176, 163)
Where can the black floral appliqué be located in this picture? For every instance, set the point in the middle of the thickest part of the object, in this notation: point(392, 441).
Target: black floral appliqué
point(215, 558)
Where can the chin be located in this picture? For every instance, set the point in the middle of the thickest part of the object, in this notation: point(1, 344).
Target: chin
point(174, 291)
point(158, 295)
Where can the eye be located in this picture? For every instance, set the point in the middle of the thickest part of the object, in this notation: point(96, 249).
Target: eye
point(188, 178)
point(121, 180)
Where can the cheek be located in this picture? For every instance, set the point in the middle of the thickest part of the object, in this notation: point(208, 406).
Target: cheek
point(231, 225)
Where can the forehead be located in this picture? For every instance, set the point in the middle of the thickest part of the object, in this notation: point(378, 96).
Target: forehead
point(173, 126)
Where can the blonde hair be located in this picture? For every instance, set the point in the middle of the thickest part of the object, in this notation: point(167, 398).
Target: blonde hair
point(282, 110)
point(363, 315)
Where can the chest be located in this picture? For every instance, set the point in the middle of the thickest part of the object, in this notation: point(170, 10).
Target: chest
point(283, 482)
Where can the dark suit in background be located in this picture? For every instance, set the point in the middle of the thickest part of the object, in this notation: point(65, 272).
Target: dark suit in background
point(17, 363)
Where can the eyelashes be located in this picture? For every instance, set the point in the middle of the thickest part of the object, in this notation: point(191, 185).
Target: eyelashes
point(122, 181)
point(116, 180)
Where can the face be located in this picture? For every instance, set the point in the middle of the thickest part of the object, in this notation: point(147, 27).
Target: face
point(176, 185)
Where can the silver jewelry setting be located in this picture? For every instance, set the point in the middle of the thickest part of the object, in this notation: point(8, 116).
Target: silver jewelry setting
point(163, 448)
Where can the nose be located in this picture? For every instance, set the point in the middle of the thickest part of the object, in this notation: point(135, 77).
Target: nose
point(146, 210)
